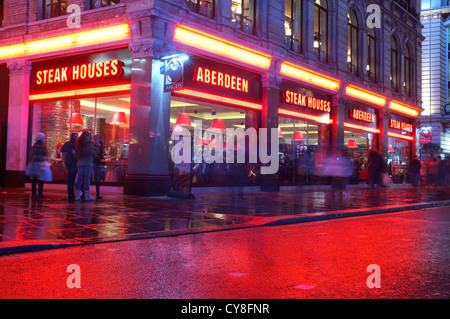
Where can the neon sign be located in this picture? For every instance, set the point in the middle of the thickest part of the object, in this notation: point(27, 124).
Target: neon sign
point(362, 116)
point(99, 70)
point(221, 79)
point(297, 99)
point(400, 126)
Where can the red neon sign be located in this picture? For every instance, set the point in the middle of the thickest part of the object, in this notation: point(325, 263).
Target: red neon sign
point(298, 99)
point(217, 78)
point(400, 126)
point(361, 128)
point(403, 137)
point(362, 116)
point(80, 72)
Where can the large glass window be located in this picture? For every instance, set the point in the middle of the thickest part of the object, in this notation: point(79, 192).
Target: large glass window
point(398, 150)
point(203, 7)
point(407, 72)
point(371, 55)
point(54, 8)
point(300, 143)
point(358, 144)
point(106, 116)
point(203, 172)
point(243, 14)
point(352, 43)
point(293, 24)
point(321, 30)
point(394, 65)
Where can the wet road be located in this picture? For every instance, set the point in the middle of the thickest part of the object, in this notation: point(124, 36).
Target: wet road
point(326, 259)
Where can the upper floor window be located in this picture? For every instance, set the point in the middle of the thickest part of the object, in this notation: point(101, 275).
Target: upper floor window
point(243, 14)
point(371, 55)
point(203, 7)
point(352, 43)
point(407, 72)
point(321, 30)
point(293, 24)
point(394, 65)
point(54, 8)
point(94, 4)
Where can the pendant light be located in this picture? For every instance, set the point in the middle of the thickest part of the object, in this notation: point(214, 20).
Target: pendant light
point(218, 124)
point(352, 144)
point(183, 119)
point(298, 136)
point(119, 118)
point(77, 120)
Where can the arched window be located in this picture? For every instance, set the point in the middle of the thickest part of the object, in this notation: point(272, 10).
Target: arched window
point(407, 72)
point(352, 43)
point(371, 67)
point(293, 24)
point(394, 65)
point(321, 30)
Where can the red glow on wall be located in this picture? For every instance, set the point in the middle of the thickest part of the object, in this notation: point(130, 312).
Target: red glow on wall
point(218, 98)
point(361, 128)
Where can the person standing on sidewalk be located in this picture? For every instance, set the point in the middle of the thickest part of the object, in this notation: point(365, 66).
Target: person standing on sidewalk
point(84, 152)
point(99, 170)
point(38, 156)
point(414, 169)
point(68, 150)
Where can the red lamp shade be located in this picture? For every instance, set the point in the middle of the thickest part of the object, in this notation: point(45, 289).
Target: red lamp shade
point(203, 141)
point(218, 124)
point(77, 120)
point(298, 136)
point(390, 149)
point(280, 134)
point(183, 119)
point(352, 144)
point(214, 143)
point(119, 118)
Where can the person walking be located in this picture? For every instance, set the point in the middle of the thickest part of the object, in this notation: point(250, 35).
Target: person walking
point(375, 170)
point(38, 157)
point(84, 153)
point(68, 151)
point(99, 171)
point(414, 169)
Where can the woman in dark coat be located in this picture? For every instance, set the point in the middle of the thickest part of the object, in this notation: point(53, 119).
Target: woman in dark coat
point(98, 166)
point(38, 155)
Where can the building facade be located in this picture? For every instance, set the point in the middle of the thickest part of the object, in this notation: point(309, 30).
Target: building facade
point(435, 119)
point(329, 76)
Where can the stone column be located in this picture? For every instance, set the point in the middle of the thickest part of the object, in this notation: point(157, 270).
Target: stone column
point(338, 117)
point(269, 120)
point(148, 160)
point(383, 126)
point(18, 109)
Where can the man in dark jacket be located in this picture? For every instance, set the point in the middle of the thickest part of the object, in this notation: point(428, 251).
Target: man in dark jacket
point(68, 151)
point(414, 169)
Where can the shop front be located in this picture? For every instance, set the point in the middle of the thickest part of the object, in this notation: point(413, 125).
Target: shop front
point(304, 134)
point(89, 92)
point(214, 101)
point(400, 151)
point(361, 135)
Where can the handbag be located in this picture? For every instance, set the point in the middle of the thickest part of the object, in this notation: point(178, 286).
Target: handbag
point(46, 174)
point(33, 169)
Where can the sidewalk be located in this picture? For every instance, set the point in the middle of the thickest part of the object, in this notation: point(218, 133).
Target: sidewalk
point(53, 222)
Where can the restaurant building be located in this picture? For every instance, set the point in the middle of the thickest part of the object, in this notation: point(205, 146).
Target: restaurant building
point(135, 72)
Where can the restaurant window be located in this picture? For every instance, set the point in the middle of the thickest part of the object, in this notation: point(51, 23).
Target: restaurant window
point(243, 15)
point(321, 30)
point(54, 8)
point(407, 72)
point(398, 150)
point(191, 114)
point(394, 65)
point(371, 55)
point(293, 24)
point(94, 4)
point(352, 43)
point(106, 116)
point(357, 146)
point(203, 7)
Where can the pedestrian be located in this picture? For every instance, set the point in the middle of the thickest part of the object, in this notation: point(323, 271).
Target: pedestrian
point(99, 168)
point(414, 169)
point(375, 169)
point(38, 158)
point(84, 152)
point(68, 151)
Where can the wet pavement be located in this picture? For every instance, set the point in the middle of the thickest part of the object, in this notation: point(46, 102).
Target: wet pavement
point(53, 221)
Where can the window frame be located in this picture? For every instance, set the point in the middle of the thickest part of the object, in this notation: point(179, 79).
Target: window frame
point(198, 7)
point(294, 40)
point(372, 60)
point(394, 65)
point(251, 15)
point(50, 4)
point(321, 11)
point(352, 43)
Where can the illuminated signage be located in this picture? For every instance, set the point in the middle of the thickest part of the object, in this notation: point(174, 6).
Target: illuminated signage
point(362, 116)
point(79, 72)
point(217, 78)
point(400, 126)
point(173, 74)
point(297, 99)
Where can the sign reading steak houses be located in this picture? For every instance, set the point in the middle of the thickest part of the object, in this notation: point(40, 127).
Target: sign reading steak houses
point(79, 72)
point(400, 125)
point(310, 102)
